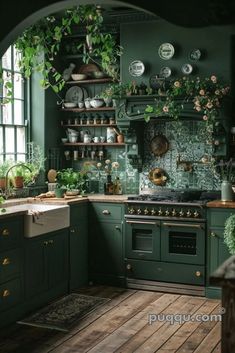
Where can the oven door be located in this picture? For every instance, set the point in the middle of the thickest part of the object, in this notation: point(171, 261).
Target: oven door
point(142, 239)
point(183, 242)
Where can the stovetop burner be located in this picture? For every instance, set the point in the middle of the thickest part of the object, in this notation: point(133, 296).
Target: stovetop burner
point(178, 196)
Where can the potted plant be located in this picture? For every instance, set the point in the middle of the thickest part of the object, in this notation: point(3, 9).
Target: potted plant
point(4, 166)
point(18, 177)
point(70, 181)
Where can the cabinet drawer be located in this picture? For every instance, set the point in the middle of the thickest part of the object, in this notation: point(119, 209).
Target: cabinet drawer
point(106, 211)
point(10, 264)
point(10, 293)
point(166, 272)
point(11, 232)
point(217, 217)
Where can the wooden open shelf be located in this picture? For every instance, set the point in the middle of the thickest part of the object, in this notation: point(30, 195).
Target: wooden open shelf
point(116, 144)
point(89, 125)
point(81, 110)
point(92, 80)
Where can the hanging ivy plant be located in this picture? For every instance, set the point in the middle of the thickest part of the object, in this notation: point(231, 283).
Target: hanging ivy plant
point(40, 44)
point(229, 234)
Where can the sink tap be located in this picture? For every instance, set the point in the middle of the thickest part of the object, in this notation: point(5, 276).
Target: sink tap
point(7, 192)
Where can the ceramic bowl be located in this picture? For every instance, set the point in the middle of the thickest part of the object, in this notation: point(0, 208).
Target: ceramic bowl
point(97, 103)
point(70, 105)
point(98, 74)
point(78, 77)
point(64, 140)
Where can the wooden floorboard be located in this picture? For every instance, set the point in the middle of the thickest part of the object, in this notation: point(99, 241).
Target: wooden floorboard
point(122, 326)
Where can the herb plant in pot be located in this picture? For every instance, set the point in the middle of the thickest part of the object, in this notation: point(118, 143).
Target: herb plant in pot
point(4, 166)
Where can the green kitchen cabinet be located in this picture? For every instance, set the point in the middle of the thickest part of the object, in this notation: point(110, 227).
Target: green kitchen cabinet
point(106, 259)
point(11, 269)
point(46, 267)
point(217, 251)
point(78, 245)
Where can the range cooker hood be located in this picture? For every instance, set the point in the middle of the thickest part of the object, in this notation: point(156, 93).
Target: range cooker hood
point(132, 108)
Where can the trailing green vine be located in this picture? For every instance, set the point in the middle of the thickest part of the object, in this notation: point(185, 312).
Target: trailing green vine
point(40, 44)
point(229, 234)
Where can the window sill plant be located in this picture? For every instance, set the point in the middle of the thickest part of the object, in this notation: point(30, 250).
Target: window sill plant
point(71, 181)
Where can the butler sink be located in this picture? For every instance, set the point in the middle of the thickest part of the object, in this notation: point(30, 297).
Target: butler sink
point(40, 219)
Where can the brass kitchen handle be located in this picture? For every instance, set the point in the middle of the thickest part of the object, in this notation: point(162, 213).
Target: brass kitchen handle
point(142, 222)
point(6, 261)
point(182, 225)
point(106, 212)
point(5, 232)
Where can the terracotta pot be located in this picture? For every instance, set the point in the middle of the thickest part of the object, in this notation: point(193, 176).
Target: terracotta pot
point(120, 138)
point(18, 182)
point(2, 183)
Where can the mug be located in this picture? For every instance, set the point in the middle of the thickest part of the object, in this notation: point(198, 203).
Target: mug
point(86, 138)
point(96, 139)
point(102, 139)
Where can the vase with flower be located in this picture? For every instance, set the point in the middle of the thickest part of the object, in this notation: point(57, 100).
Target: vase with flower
point(227, 193)
point(109, 167)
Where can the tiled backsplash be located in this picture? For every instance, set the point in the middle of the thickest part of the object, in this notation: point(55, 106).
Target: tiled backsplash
point(188, 141)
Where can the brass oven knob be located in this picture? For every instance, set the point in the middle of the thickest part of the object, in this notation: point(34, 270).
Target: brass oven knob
point(189, 213)
point(195, 214)
point(139, 211)
point(6, 293)
point(198, 274)
point(6, 261)
point(174, 213)
point(146, 211)
point(167, 212)
point(5, 232)
point(181, 213)
point(160, 212)
point(153, 212)
point(131, 210)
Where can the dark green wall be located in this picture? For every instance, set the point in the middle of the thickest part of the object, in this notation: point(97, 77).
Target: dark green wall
point(142, 40)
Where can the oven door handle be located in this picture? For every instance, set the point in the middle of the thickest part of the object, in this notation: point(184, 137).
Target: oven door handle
point(143, 222)
point(199, 226)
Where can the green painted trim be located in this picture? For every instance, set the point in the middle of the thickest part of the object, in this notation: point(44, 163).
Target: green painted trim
point(213, 293)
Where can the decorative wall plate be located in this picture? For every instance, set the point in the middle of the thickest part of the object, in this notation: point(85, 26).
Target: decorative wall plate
point(158, 176)
point(187, 69)
point(166, 51)
point(165, 72)
point(74, 94)
point(195, 55)
point(136, 68)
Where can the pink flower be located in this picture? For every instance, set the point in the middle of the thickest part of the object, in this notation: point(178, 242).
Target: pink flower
point(209, 105)
point(217, 92)
point(197, 103)
point(165, 109)
point(202, 92)
point(213, 78)
point(205, 117)
point(177, 84)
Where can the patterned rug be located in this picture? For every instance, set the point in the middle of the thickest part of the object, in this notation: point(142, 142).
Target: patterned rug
point(65, 313)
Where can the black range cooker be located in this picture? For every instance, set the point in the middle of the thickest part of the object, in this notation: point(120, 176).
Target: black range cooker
point(165, 238)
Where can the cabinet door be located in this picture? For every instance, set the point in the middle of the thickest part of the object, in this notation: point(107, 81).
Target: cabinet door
point(35, 266)
point(218, 251)
point(106, 249)
point(78, 246)
point(57, 258)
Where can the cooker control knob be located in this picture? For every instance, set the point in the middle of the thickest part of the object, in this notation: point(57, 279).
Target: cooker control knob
point(153, 212)
point(196, 214)
point(174, 213)
point(160, 212)
point(181, 213)
point(146, 211)
point(189, 213)
point(167, 212)
point(139, 211)
point(131, 210)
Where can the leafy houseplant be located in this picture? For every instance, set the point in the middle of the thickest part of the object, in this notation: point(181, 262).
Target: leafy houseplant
point(206, 94)
point(4, 166)
point(229, 233)
point(40, 44)
point(69, 179)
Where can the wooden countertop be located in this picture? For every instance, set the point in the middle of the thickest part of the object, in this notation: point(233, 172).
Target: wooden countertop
point(221, 204)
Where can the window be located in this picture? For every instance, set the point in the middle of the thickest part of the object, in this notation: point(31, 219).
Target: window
point(13, 115)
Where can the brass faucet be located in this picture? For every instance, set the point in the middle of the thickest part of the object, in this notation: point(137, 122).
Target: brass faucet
point(7, 192)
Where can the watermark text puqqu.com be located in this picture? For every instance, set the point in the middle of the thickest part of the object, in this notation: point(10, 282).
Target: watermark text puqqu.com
point(181, 318)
